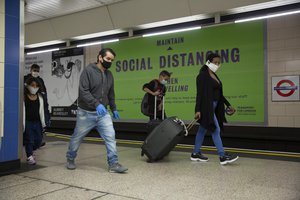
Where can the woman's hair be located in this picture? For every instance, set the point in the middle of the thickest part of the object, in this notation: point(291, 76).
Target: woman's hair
point(211, 56)
point(29, 81)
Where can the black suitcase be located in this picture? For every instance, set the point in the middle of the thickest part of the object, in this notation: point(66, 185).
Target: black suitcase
point(164, 138)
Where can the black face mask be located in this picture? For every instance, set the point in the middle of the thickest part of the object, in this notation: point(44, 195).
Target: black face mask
point(106, 64)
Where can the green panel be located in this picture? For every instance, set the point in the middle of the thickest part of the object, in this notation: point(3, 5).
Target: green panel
point(241, 47)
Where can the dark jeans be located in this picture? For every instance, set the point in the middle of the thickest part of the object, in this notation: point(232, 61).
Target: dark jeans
point(32, 136)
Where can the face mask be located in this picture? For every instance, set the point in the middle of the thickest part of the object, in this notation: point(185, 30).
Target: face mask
point(106, 64)
point(35, 74)
point(32, 90)
point(213, 67)
point(164, 82)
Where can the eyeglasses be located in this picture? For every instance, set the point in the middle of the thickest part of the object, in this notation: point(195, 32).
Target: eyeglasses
point(36, 70)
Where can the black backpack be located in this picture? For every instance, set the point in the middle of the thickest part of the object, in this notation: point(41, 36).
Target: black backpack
point(145, 103)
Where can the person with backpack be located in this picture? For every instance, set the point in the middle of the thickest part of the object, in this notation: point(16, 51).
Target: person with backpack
point(156, 88)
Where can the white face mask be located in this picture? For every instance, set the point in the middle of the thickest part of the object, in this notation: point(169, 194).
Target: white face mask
point(35, 74)
point(164, 82)
point(213, 67)
point(32, 90)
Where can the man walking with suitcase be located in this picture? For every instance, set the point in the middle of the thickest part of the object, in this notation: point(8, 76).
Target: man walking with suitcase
point(96, 91)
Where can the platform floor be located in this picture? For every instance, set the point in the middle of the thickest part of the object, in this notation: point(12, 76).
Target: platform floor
point(176, 177)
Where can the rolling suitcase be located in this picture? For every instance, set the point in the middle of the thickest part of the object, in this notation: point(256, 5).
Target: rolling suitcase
point(164, 138)
point(155, 122)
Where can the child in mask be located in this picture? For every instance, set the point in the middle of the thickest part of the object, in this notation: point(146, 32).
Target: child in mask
point(34, 118)
point(35, 72)
point(157, 88)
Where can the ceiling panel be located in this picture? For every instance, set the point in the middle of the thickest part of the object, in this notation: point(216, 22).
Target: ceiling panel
point(36, 10)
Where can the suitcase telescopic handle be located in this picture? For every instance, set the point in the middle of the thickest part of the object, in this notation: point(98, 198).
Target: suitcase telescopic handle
point(163, 107)
point(191, 124)
point(188, 127)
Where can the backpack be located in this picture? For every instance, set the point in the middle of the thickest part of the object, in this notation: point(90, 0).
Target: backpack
point(145, 103)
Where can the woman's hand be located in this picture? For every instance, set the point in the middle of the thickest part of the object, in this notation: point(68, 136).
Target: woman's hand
point(197, 115)
point(230, 110)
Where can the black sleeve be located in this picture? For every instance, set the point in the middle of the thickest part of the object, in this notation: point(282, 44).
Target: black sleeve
point(150, 85)
point(111, 97)
point(26, 77)
point(225, 101)
point(200, 91)
point(164, 90)
point(43, 85)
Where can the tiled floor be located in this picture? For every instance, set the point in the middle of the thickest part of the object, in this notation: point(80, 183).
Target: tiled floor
point(176, 177)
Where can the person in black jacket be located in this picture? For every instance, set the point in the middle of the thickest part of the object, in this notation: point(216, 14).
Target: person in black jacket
point(209, 110)
point(35, 72)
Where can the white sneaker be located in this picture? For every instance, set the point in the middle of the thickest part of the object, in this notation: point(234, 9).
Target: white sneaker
point(34, 153)
point(31, 160)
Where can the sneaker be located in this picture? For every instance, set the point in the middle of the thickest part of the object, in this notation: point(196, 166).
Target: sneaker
point(34, 153)
point(31, 160)
point(199, 157)
point(117, 168)
point(227, 158)
point(71, 164)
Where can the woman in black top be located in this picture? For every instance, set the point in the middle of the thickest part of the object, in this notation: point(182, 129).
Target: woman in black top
point(209, 110)
point(34, 118)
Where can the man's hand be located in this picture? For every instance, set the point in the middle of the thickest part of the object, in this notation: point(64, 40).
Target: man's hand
point(101, 110)
point(116, 115)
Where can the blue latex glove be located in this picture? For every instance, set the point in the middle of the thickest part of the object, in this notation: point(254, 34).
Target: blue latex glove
point(101, 110)
point(116, 115)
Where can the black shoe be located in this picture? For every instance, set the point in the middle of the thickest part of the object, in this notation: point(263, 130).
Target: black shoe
point(198, 157)
point(227, 158)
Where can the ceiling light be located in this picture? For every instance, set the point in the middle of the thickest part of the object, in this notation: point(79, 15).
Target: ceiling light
point(99, 42)
point(53, 42)
point(43, 51)
point(267, 16)
point(172, 31)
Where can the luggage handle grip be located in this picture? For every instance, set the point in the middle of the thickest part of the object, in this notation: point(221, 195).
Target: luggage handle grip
point(188, 127)
point(191, 124)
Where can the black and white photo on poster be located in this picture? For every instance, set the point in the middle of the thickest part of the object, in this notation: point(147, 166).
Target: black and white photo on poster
point(60, 71)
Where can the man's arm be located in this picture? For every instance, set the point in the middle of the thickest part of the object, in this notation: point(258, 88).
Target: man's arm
point(84, 90)
point(111, 97)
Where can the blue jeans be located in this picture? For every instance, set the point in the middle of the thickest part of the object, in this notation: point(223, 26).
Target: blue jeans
point(215, 136)
point(32, 136)
point(85, 122)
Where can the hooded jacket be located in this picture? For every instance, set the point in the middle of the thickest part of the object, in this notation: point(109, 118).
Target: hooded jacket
point(96, 87)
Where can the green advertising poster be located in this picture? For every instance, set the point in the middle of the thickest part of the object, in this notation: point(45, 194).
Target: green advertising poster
point(241, 47)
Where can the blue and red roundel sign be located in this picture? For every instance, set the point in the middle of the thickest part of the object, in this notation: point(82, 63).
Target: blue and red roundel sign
point(285, 88)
